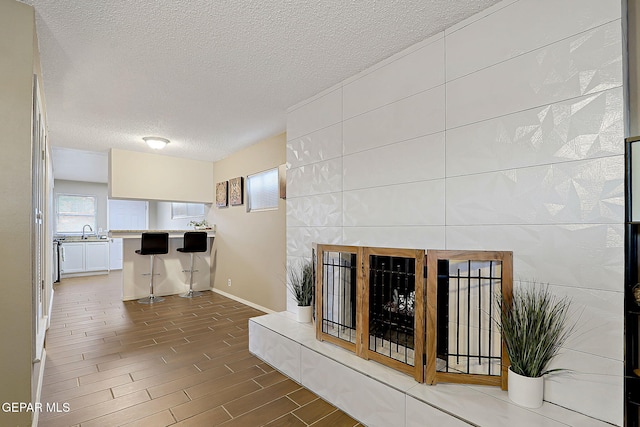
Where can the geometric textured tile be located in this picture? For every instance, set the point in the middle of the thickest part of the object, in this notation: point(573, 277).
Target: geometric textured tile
point(418, 159)
point(417, 71)
point(533, 129)
point(418, 203)
point(500, 36)
point(323, 210)
point(590, 191)
point(588, 256)
point(586, 127)
point(316, 178)
point(411, 117)
point(318, 146)
point(584, 64)
point(320, 113)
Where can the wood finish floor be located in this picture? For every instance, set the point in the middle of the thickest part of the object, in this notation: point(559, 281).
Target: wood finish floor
point(182, 362)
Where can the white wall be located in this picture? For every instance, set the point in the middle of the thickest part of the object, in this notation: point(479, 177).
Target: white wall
point(504, 132)
point(99, 190)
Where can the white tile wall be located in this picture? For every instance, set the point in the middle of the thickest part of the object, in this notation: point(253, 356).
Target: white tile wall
point(417, 159)
point(578, 255)
point(419, 203)
point(583, 64)
point(589, 191)
point(504, 133)
point(418, 237)
point(593, 385)
point(418, 115)
point(324, 210)
point(317, 146)
point(580, 128)
point(315, 178)
point(299, 239)
point(319, 114)
point(413, 73)
point(483, 44)
point(598, 325)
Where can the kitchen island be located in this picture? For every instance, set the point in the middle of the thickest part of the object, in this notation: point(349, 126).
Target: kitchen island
point(170, 278)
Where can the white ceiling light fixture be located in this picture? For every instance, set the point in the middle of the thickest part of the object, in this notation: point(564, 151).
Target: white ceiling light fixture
point(156, 142)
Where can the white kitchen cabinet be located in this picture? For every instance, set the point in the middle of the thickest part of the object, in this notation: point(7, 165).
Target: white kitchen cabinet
point(72, 258)
point(96, 256)
point(84, 257)
point(115, 254)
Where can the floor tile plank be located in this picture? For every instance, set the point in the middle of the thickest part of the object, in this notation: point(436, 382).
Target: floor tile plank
point(182, 362)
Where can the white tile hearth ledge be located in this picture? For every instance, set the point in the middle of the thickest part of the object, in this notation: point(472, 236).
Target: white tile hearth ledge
point(380, 396)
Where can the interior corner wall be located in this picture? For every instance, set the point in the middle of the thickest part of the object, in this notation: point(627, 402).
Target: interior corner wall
point(17, 40)
point(249, 247)
point(505, 132)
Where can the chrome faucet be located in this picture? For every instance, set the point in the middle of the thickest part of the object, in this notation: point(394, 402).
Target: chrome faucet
point(83, 227)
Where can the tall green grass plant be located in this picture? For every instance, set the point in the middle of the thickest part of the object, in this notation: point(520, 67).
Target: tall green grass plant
point(300, 283)
point(534, 328)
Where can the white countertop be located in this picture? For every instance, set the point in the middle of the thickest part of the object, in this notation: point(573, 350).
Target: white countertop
point(136, 234)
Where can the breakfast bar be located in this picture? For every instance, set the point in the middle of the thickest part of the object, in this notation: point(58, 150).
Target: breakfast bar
point(171, 277)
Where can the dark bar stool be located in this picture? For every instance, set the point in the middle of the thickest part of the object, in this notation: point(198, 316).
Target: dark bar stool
point(153, 244)
point(194, 241)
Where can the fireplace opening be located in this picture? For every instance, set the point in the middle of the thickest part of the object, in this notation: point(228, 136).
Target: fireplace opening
point(392, 294)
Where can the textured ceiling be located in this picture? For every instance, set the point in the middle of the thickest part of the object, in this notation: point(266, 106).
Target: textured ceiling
point(212, 76)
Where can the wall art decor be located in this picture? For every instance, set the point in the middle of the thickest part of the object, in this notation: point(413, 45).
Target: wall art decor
point(236, 191)
point(221, 193)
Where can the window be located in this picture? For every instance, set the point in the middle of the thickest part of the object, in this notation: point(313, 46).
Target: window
point(186, 210)
point(75, 211)
point(262, 191)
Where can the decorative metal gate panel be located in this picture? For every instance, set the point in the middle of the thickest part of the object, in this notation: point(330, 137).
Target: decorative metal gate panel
point(464, 344)
point(393, 308)
point(438, 323)
point(337, 271)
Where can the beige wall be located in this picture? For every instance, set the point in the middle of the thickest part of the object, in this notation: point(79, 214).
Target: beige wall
point(249, 248)
point(17, 41)
point(144, 176)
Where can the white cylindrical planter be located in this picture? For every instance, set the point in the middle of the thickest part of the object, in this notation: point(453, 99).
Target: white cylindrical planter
point(525, 391)
point(305, 314)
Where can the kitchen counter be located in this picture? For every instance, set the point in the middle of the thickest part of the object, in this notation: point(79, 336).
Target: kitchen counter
point(135, 234)
point(92, 238)
point(171, 279)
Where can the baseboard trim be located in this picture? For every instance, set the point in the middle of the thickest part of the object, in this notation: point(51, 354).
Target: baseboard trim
point(40, 379)
point(243, 301)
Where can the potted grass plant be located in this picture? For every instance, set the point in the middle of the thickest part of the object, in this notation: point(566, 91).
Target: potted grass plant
point(300, 284)
point(534, 326)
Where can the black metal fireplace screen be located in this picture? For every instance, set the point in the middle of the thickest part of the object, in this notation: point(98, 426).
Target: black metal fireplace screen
point(433, 317)
point(339, 271)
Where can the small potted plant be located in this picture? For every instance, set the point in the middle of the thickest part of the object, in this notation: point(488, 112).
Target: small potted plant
point(199, 225)
point(301, 286)
point(534, 328)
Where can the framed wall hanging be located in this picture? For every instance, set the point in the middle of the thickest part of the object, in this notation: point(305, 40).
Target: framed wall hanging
point(236, 191)
point(221, 193)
